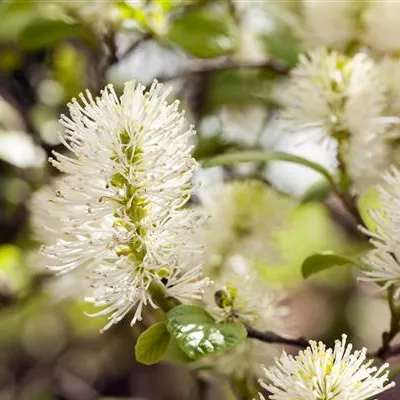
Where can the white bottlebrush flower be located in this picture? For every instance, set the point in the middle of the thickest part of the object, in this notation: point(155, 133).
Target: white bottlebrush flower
point(367, 157)
point(245, 298)
point(244, 217)
point(334, 24)
point(45, 223)
point(323, 373)
point(334, 93)
point(384, 260)
point(120, 202)
point(382, 26)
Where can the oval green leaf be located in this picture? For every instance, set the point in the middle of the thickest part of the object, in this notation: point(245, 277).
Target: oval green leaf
point(42, 33)
point(197, 333)
point(367, 202)
point(317, 192)
point(152, 344)
point(322, 261)
point(283, 47)
point(203, 34)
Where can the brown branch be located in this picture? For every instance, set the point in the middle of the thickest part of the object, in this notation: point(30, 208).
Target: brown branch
point(135, 45)
point(392, 351)
point(386, 350)
point(201, 67)
point(272, 337)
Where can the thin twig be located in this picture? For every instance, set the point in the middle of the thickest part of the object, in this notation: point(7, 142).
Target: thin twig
point(272, 337)
point(385, 351)
point(135, 45)
point(218, 66)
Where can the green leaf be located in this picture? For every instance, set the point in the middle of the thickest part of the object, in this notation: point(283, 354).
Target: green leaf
point(42, 33)
point(208, 146)
point(265, 156)
point(283, 47)
point(317, 192)
point(367, 202)
point(322, 261)
point(175, 354)
point(198, 334)
point(11, 269)
point(240, 86)
point(152, 344)
point(15, 15)
point(203, 34)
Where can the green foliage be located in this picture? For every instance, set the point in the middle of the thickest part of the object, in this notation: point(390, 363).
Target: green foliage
point(309, 231)
point(41, 33)
point(11, 267)
point(175, 354)
point(203, 34)
point(367, 202)
point(15, 15)
point(197, 333)
point(283, 47)
point(323, 261)
point(265, 156)
point(317, 192)
point(241, 86)
point(69, 69)
point(152, 344)
point(208, 147)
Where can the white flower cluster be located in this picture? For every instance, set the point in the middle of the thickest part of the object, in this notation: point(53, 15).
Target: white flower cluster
point(331, 23)
point(118, 210)
point(234, 236)
point(324, 373)
point(242, 230)
point(349, 99)
point(326, 90)
point(344, 24)
point(383, 262)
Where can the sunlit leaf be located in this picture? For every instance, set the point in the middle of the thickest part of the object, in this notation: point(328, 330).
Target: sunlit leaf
point(198, 334)
point(152, 344)
point(323, 261)
point(11, 269)
point(367, 202)
point(175, 354)
point(203, 34)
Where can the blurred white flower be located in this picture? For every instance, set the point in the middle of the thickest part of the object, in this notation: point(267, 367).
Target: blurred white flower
point(368, 155)
point(45, 226)
point(244, 217)
point(241, 295)
point(334, 24)
point(243, 124)
point(120, 204)
point(243, 362)
point(293, 178)
point(320, 373)
point(382, 26)
point(244, 297)
point(383, 261)
point(334, 93)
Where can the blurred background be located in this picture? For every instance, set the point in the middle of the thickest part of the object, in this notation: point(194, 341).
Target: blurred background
point(227, 61)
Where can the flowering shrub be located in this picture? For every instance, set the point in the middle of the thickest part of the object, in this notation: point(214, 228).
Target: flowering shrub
point(221, 193)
